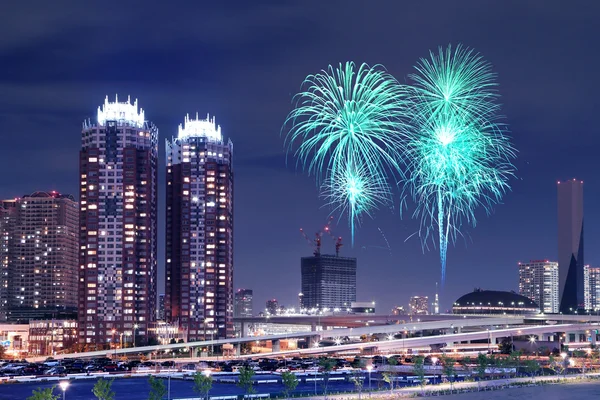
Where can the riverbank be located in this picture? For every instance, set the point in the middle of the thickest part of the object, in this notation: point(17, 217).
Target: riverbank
point(564, 391)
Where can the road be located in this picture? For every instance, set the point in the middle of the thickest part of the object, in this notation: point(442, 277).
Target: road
point(137, 388)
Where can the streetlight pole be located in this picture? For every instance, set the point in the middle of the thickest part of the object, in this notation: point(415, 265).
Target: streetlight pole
point(369, 368)
point(64, 385)
point(135, 326)
point(169, 388)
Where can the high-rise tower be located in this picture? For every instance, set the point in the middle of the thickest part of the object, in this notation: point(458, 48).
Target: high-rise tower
point(199, 238)
point(118, 236)
point(40, 249)
point(243, 306)
point(538, 280)
point(570, 245)
point(6, 220)
point(328, 281)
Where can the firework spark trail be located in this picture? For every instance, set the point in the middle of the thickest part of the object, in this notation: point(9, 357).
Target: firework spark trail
point(459, 155)
point(386, 241)
point(348, 128)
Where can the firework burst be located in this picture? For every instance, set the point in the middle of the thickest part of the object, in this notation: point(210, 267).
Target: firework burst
point(347, 130)
point(459, 154)
point(353, 191)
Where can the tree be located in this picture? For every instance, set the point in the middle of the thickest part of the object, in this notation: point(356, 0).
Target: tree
point(419, 371)
point(466, 364)
point(290, 381)
point(448, 368)
point(482, 363)
point(43, 394)
point(357, 362)
point(557, 366)
point(157, 388)
point(2, 351)
point(327, 365)
point(515, 358)
point(102, 390)
point(506, 346)
point(203, 383)
point(245, 380)
point(532, 367)
point(358, 381)
point(594, 355)
point(392, 362)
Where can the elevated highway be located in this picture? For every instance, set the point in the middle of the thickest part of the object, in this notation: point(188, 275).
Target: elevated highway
point(418, 342)
point(480, 327)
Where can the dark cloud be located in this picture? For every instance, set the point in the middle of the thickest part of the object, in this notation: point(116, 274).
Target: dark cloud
point(243, 61)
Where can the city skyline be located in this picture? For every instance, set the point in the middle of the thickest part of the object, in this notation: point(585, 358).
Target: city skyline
point(49, 94)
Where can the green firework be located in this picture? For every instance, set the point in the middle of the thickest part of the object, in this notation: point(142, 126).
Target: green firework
point(348, 121)
point(459, 154)
point(353, 191)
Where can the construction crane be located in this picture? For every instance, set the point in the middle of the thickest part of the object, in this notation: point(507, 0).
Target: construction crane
point(338, 240)
point(316, 242)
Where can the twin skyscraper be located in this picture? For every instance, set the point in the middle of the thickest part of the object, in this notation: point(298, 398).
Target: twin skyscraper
point(118, 220)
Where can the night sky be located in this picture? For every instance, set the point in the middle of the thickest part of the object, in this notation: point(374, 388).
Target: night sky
point(243, 61)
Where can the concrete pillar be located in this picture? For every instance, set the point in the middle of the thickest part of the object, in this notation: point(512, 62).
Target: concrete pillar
point(238, 349)
point(546, 337)
point(567, 337)
point(458, 329)
point(275, 345)
point(594, 337)
point(243, 330)
point(313, 326)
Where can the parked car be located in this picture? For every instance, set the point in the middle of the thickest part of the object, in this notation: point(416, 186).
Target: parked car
point(58, 370)
point(110, 368)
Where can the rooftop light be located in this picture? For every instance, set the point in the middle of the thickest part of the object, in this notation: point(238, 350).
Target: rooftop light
point(200, 128)
point(124, 112)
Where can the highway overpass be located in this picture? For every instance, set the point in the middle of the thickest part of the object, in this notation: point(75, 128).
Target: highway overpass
point(419, 342)
point(485, 324)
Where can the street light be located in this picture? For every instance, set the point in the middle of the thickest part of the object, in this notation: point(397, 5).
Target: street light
point(64, 385)
point(135, 326)
point(565, 363)
point(369, 368)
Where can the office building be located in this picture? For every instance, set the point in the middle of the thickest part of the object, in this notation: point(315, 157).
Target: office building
point(5, 235)
point(243, 303)
point(570, 245)
point(39, 256)
point(419, 305)
point(49, 337)
point(539, 282)
point(118, 220)
point(399, 310)
point(272, 307)
point(593, 290)
point(328, 282)
point(199, 238)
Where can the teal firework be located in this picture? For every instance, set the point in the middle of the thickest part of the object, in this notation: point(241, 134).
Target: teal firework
point(348, 124)
point(352, 190)
point(459, 154)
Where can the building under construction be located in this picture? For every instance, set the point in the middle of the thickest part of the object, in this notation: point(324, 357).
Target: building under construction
point(328, 281)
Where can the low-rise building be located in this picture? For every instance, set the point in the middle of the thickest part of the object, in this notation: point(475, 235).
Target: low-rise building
point(50, 337)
